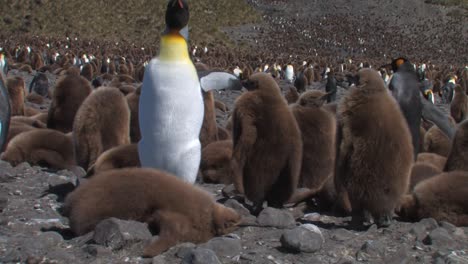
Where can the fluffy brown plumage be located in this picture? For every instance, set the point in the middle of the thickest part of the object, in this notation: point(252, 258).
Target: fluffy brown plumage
point(123, 156)
point(374, 150)
point(267, 153)
point(215, 162)
point(459, 104)
point(70, 91)
point(100, 125)
point(442, 197)
point(180, 211)
point(15, 87)
point(43, 147)
point(435, 160)
point(318, 130)
point(422, 171)
point(458, 157)
point(435, 141)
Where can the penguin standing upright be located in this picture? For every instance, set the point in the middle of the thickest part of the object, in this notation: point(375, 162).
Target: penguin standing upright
point(5, 113)
point(289, 73)
point(171, 105)
point(3, 63)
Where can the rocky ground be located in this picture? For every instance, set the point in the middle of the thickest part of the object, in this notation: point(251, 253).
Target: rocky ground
point(32, 229)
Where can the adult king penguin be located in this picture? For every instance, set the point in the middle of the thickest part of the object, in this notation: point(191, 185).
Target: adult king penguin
point(171, 103)
point(4, 113)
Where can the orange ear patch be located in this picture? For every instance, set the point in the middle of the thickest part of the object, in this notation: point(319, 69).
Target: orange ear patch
point(399, 62)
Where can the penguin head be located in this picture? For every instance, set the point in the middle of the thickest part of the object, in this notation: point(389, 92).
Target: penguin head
point(396, 63)
point(177, 14)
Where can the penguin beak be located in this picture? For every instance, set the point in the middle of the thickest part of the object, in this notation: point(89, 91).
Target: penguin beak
point(181, 4)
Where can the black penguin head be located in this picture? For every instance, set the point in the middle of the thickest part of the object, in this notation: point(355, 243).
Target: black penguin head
point(177, 14)
point(396, 63)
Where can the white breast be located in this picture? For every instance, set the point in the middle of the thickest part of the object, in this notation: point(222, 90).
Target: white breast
point(170, 117)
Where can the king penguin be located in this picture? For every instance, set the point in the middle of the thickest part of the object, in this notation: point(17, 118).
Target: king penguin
point(5, 113)
point(171, 104)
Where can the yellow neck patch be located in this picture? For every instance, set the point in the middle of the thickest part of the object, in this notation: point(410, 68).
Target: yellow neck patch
point(173, 47)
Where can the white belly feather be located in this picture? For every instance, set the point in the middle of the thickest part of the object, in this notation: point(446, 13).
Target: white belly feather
point(170, 117)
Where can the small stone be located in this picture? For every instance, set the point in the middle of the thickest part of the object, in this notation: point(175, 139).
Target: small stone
point(450, 227)
point(18, 192)
point(418, 230)
point(230, 191)
point(301, 239)
point(312, 217)
point(342, 234)
point(201, 256)
point(224, 246)
point(184, 249)
point(238, 207)
point(249, 257)
point(439, 238)
point(97, 250)
point(37, 206)
point(50, 238)
point(160, 259)
point(429, 223)
point(272, 217)
point(117, 234)
point(400, 257)
point(347, 260)
point(23, 167)
point(371, 249)
point(460, 233)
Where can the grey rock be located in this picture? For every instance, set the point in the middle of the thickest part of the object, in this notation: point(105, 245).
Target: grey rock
point(3, 202)
point(58, 180)
point(347, 260)
point(73, 172)
point(439, 238)
point(4, 166)
point(272, 217)
point(450, 227)
point(201, 256)
point(83, 240)
point(97, 250)
point(23, 167)
point(50, 239)
point(250, 256)
point(342, 234)
point(400, 257)
point(184, 249)
point(419, 231)
point(301, 239)
point(229, 191)
point(238, 207)
point(160, 259)
point(450, 257)
point(429, 223)
point(117, 234)
point(60, 256)
point(371, 249)
point(224, 246)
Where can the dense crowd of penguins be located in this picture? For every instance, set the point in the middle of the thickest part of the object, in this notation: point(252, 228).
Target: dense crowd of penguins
point(370, 153)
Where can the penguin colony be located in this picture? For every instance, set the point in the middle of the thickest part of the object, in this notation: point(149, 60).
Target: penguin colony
point(365, 154)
